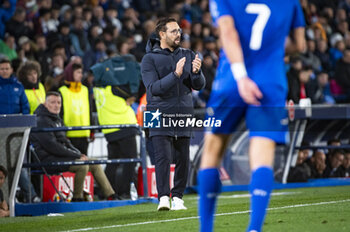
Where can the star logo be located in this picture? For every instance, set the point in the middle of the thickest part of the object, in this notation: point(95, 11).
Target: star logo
point(151, 119)
point(156, 115)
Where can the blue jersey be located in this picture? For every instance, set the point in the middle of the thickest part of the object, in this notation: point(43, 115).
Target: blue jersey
point(263, 26)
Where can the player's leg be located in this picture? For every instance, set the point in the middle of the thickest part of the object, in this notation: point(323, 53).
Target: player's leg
point(209, 179)
point(226, 105)
point(261, 154)
point(268, 125)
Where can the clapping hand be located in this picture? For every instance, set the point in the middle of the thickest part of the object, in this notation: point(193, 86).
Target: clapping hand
point(180, 67)
point(196, 64)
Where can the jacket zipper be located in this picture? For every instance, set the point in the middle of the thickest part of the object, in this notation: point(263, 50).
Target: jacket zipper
point(178, 95)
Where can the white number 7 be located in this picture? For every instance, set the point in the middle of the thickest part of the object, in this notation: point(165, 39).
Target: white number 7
point(263, 12)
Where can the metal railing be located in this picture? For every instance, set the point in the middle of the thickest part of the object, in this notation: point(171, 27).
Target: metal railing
point(142, 159)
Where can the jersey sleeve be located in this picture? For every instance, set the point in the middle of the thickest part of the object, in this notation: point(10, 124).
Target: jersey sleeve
point(298, 17)
point(218, 8)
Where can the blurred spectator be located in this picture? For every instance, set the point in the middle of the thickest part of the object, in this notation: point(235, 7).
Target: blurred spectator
point(44, 23)
point(148, 29)
point(58, 48)
point(17, 26)
point(6, 11)
point(209, 71)
point(342, 72)
point(210, 48)
point(123, 47)
point(323, 93)
point(322, 53)
point(96, 54)
point(186, 41)
point(343, 28)
point(66, 13)
point(340, 15)
point(335, 160)
point(94, 34)
point(317, 164)
point(129, 27)
point(87, 17)
point(336, 51)
point(4, 209)
point(98, 16)
point(54, 80)
point(12, 96)
point(78, 38)
point(332, 142)
point(24, 50)
point(55, 14)
point(78, 11)
point(54, 146)
point(76, 105)
point(112, 18)
point(345, 4)
point(133, 15)
point(61, 37)
point(42, 56)
point(198, 47)
point(309, 58)
point(206, 18)
point(301, 172)
point(185, 27)
point(28, 74)
point(27, 193)
point(344, 169)
point(196, 31)
point(300, 85)
point(108, 38)
point(31, 7)
point(7, 47)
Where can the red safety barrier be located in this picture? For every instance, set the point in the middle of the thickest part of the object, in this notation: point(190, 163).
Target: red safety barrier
point(49, 193)
point(151, 181)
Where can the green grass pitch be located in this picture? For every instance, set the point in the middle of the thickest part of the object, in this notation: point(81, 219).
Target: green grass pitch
point(304, 209)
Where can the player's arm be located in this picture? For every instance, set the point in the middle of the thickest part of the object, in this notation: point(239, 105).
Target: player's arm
point(156, 85)
point(247, 88)
point(298, 43)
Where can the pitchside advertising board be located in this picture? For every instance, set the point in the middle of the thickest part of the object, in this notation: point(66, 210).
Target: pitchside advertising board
point(49, 193)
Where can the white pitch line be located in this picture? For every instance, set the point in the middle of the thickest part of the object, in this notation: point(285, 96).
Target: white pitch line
point(246, 195)
point(197, 217)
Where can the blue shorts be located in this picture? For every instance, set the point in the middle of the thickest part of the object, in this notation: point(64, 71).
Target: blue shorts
point(269, 120)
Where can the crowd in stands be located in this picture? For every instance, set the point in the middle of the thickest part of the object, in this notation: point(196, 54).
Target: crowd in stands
point(56, 32)
point(320, 164)
point(46, 40)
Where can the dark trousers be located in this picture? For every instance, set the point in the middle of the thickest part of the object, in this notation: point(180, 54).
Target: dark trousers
point(121, 175)
point(81, 143)
point(166, 150)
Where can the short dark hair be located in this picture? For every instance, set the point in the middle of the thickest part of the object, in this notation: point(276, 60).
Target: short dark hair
point(161, 25)
point(4, 61)
point(76, 66)
point(3, 170)
point(53, 93)
point(57, 45)
point(19, 10)
point(334, 140)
